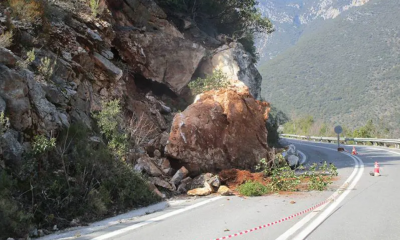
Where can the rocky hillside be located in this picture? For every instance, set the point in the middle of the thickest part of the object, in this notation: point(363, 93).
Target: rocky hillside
point(89, 91)
point(347, 72)
point(295, 18)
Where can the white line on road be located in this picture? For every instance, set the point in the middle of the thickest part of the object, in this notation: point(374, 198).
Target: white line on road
point(325, 214)
point(356, 174)
point(162, 217)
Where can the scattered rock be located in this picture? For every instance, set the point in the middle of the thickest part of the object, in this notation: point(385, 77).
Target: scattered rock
point(199, 181)
point(146, 163)
point(157, 153)
point(185, 185)
point(155, 190)
point(214, 183)
point(293, 160)
point(179, 175)
point(162, 183)
point(7, 57)
point(224, 191)
point(108, 66)
point(199, 192)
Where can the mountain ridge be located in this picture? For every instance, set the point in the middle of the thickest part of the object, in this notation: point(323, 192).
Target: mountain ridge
point(345, 72)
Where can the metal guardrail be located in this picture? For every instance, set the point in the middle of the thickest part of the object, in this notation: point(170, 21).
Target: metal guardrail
point(373, 141)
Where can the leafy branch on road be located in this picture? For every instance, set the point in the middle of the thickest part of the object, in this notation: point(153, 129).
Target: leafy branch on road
point(280, 177)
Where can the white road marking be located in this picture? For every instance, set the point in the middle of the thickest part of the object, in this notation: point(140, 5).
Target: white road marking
point(344, 190)
point(325, 214)
point(162, 217)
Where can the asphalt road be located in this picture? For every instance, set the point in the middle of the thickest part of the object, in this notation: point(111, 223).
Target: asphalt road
point(364, 207)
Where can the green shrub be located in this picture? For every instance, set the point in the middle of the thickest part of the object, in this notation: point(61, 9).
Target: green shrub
point(46, 67)
point(30, 57)
point(76, 179)
point(13, 221)
point(4, 122)
point(6, 39)
point(94, 6)
point(251, 188)
point(42, 144)
point(215, 81)
point(110, 122)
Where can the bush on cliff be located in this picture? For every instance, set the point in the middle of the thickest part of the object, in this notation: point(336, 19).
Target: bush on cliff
point(74, 179)
point(215, 81)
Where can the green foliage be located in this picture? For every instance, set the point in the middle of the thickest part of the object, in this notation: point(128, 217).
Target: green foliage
point(318, 181)
point(42, 144)
point(253, 188)
point(13, 221)
point(345, 72)
point(110, 123)
point(6, 39)
point(46, 67)
point(94, 6)
point(366, 131)
point(284, 179)
point(30, 57)
point(215, 81)
point(4, 122)
point(77, 179)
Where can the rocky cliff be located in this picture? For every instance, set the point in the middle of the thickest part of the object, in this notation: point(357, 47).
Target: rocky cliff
point(132, 43)
point(73, 76)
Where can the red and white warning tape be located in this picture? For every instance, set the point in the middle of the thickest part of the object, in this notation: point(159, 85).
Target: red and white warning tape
point(274, 223)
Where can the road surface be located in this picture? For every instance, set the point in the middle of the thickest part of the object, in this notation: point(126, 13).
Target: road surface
point(364, 207)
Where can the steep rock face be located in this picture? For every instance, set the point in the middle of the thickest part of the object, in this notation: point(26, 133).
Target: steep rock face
point(236, 63)
point(161, 57)
point(154, 47)
point(223, 129)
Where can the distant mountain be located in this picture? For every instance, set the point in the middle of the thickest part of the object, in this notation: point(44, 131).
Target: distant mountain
point(292, 18)
point(347, 71)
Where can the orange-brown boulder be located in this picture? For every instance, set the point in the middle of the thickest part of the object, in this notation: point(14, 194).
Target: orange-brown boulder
point(222, 129)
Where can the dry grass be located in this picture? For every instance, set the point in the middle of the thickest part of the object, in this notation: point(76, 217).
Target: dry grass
point(140, 129)
point(27, 10)
point(6, 39)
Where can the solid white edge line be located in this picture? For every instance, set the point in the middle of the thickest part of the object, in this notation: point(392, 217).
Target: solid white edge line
point(162, 217)
point(325, 214)
point(311, 215)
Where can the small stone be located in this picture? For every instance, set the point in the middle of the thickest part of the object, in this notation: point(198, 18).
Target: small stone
point(179, 175)
point(199, 192)
point(292, 202)
point(157, 153)
point(224, 190)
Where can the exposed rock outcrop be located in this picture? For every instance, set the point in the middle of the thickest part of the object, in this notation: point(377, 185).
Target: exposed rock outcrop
point(223, 129)
point(237, 64)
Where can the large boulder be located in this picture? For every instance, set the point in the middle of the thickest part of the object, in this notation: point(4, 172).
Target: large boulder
point(160, 56)
point(237, 64)
point(223, 129)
